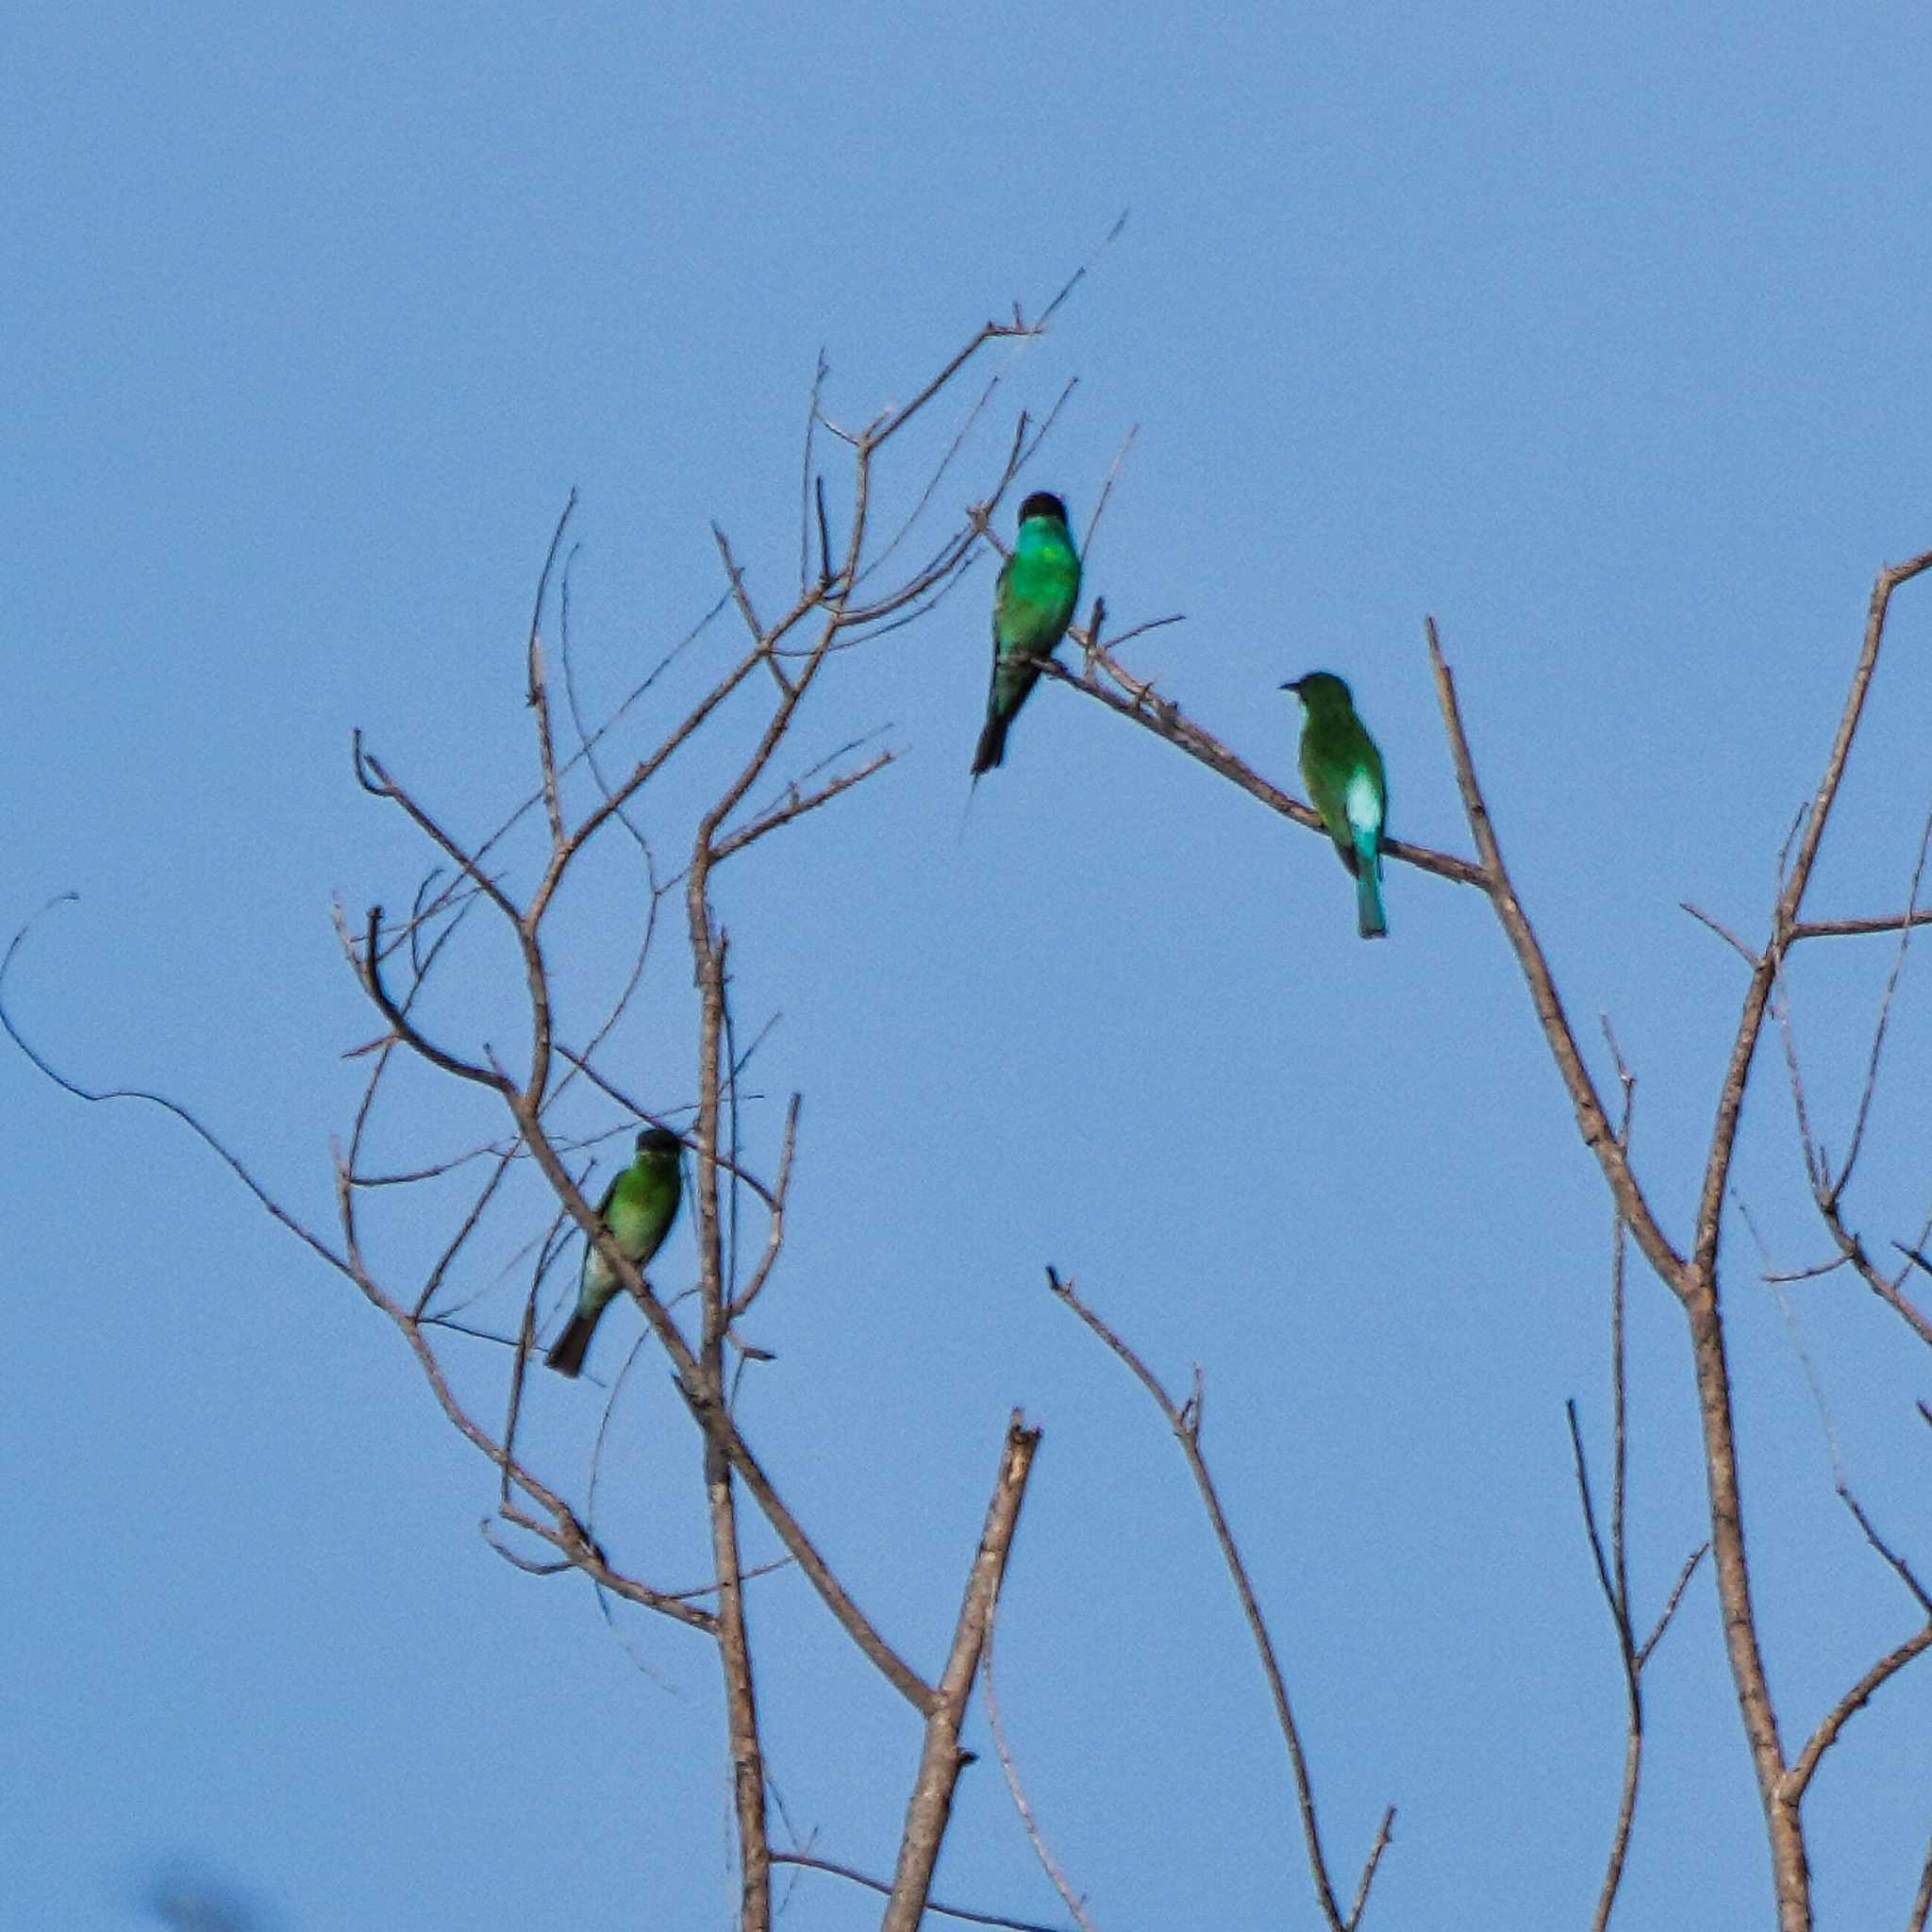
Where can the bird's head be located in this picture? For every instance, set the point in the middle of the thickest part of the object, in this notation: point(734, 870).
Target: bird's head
point(1320, 691)
point(659, 1143)
point(1044, 503)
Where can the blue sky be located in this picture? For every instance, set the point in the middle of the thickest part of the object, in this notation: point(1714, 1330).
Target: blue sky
point(1601, 340)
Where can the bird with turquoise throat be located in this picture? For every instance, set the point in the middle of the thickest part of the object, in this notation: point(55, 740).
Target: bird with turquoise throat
point(1342, 771)
point(1032, 605)
point(638, 1208)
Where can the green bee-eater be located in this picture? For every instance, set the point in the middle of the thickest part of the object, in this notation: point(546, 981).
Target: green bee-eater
point(1032, 605)
point(638, 1208)
point(1342, 771)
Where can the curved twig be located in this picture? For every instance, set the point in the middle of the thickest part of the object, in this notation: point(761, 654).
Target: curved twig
point(1183, 1419)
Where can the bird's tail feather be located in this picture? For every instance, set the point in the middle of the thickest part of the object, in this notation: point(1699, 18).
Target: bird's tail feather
point(991, 749)
point(1370, 922)
point(567, 1352)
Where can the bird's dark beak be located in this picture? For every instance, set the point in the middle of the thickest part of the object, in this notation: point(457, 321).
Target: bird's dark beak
point(1293, 684)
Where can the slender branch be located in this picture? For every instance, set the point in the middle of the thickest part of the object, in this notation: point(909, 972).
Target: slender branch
point(1827, 1190)
point(208, 1139)
point(642, 773)
point(1898, 963)
point(821, 370)
point(1855, 929)
point(1612, 1579)
point(1101, 502)
point(892, 421)
point(1671, 1602)
point(1620, 1421)
point(1604, 1583)
point(374, 778)
point(1784, 915)
point(1384, 1833)
point(538, 690)
point(808, 1862)
point(1699, 1290)
point(1183, 1419)
point(1694, 1283)
point(741, 1698)
point(370, 964)
point(1017, 1792)
point(1855, 1700)
point(1591, 1121)
point(775, 1235)
point(932, 483)
point(1893, 1560)
point(458, 1240)
point(1140, 704)
point(797, 806)
point(941, 1759)
point(1722, 931)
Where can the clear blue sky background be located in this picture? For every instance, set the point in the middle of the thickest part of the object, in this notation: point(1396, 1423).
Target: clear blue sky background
point(1601, 337)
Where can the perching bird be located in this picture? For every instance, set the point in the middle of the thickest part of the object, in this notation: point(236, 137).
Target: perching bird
point(638, 1208)
point(1342, 771)
point(1032, 605)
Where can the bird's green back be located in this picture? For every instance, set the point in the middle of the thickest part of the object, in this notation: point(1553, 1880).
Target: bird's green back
point(1039, 587)
point(1032, 605)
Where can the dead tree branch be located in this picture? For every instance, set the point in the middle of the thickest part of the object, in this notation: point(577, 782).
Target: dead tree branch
point(1183, 1419)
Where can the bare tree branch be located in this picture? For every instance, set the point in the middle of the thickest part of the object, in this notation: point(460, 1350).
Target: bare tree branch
point(1854, 1701)
point(539, 691)
point(1591, 1121)
point(941, 1759)
point(1183, 1419)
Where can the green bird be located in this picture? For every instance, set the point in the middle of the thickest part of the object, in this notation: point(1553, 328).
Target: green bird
point(1032, 605)
point(1342, 771)
point(638, 1208)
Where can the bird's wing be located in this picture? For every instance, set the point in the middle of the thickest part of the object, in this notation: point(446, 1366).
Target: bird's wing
point(611, 1194)
point(999, 605)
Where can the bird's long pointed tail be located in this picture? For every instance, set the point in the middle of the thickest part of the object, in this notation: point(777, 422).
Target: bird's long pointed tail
point(991, 749)
point(966, 812)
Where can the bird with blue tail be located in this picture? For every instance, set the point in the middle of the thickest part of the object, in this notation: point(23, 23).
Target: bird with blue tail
point(1342, 771)
point(1032, 605)
point(638, 1208)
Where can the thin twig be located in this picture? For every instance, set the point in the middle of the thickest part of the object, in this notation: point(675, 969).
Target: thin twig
point(1891, 1557)
point(1100, 503)
point(1593, 1123)
point(1184, 1421)
point(1898, 963)
point(808, 1862)
point(232, 1162)
point(1017, 1790)
point(1722, 931)
point(1827, 1735)
point(1671, 1602)
point(538, 690)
